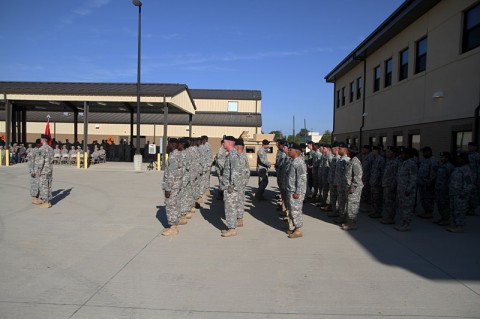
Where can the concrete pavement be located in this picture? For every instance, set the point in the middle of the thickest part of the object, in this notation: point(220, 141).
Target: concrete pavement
point(98, 253)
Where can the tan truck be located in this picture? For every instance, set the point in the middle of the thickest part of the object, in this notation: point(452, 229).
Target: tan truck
point(253, 143)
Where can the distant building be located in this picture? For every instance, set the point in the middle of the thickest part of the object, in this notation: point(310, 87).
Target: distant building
point(314, 136)
point(415, 81)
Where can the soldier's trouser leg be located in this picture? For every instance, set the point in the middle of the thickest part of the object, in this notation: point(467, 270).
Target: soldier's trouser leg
point(262, 181)
point(231, 204)
point(342, 201)
point(183, 201)
point(241, 203)
point(405, 206)
point(315, 182)
point(353, 204)
point(206, 182)
point(333, 197)
point(459, 208)
point(427, 198)
point(34, 181)
point(325, 190)
point(199, 187)
point(295, 208)
point(389, 196)
point(366, 195)
point(474, 197)
point(45, 187)
point(443, 205)
point(321, 182)
point(377, 197)
point(172, 208)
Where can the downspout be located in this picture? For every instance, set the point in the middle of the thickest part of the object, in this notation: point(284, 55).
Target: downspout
point(363, 100)
point(334, 110)
point(476, 127)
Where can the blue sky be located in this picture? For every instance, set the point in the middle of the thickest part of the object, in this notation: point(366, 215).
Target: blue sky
point(282, 47)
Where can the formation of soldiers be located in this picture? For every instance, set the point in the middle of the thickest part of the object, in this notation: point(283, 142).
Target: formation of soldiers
point(40, 167)
point(344, 182)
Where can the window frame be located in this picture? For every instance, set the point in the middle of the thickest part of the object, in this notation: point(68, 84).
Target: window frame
point(388, 74)
point(421, 67)
point(229, 104)
point(466, 32)
point(352, 91)
point(403, 67)
point(377, 75)
point(343, 97)
point(359, 87)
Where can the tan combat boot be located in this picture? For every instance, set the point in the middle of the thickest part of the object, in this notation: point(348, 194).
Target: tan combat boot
point(36, 201)
point(189, 215)
point(229, 232)
point(297, 233)
point(173, 230)
point(182, 220)
point(349, 226)
point(193, 210)
point(239, 222)
point(45, 205)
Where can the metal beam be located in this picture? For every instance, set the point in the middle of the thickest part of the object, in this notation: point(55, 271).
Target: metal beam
point(75, 126)
point(8, 122)
point(85, 126)
point(24, 126)
point(71, 106)
point(190, 119)
point(13, 119)
point(131, 127)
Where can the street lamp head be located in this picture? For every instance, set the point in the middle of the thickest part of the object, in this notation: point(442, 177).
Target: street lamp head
point(137, 3)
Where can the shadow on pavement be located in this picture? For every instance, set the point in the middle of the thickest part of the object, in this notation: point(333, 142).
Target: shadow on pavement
point(162, 216)
point(265, 211)
point(59, 194)
point(216, 212)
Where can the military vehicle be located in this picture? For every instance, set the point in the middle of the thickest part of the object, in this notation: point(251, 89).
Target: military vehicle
point(253, 143)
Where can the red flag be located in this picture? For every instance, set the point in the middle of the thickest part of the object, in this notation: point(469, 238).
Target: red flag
point(47, 132)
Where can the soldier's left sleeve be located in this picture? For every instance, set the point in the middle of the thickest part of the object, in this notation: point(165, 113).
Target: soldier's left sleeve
point(357, 175)
point(301, 178)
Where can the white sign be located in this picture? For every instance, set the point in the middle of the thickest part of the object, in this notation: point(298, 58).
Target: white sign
point(152, 149)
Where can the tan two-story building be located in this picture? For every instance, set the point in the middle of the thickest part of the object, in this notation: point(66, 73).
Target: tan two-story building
point(415, 81)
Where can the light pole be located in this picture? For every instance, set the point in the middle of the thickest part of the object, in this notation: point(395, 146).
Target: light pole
point(137, 162)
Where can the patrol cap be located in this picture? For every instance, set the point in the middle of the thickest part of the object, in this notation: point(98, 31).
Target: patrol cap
point(182, 140)
point(327, 145)
point(281, 142)
point(45, 136)
point(38, 141)
point(295, 146)
point(309, 142)
point(303, 145)
point(341, 145)
point(426, 149)
point(229, 138)
point(392, 148)
point(316, 144)
point(366, 146)
point(173, 140)
point(353, 148)
point(265, 142)
point(335, 144)
point(239, 142)
point(377, 148)
point(446, 154)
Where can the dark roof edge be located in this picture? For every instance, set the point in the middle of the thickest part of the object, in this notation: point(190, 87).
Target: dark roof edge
point(254, 94)
point(409, 7)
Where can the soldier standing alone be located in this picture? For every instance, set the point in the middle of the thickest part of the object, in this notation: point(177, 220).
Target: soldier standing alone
point(31, 158)
point(44, 171)
point(232, 184)
point(296, 189)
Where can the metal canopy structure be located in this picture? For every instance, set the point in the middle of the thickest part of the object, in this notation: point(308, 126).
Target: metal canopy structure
point(20, 98)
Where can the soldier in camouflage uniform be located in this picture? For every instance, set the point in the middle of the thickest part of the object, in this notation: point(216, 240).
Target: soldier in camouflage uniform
point(34, 179)
point(332, 206)
point(461, 184)
point(427, 173)
point(406, 188)
point(280, 158)
point(245, 175)
point(232, 184)
point(376, 189)
point(314, 167)
point(324, 171)
point(296, 189)
point(172, 182)
point(353, 184)
point(207, 165)
point(339, 181)
point(44, 171)
point(219, 164)
point(287, 161)
point(193, 166)
point(474, 159)
point(197, 171)
point(262, 167)
point(366, 157)
point(186, 211)
point(442, 182)
point(389, 183)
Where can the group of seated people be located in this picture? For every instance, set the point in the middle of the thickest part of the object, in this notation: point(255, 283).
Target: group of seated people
point(63, 155)
point(18, 153)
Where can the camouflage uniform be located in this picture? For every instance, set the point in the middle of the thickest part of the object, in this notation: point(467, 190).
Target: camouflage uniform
point(427, 172)
point(316, 158)
point(287, 162)
point(196, 171)
point(245, 174)
point(461, 184)
point(184, 198)
point(332, 186)
point(324, 171)
point(376, 175)
point(34, 180)
point(207, 166)
point(232, 180)
point(193, 167)
point(339, 181)
point(296, 177)
point(220, 163)
point(279, 162)
point(202, 152)
point(44, 168)
point(172, 182)
point(366, 167)
point(262, 167)
point(406, 188)
point(442, 183)
point(352, 180)
point(389, 183)
point(474, 159)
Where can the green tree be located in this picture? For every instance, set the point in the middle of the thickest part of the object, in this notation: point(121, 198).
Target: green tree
point(326, 137)
point(278, 135)
point(293, 139)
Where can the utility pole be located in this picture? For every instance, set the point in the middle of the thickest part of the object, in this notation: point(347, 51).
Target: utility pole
point(293, 127)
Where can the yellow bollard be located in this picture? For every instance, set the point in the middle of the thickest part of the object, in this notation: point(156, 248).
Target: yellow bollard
point(7, 157)
point(78, 160)
point(158, 161)
point(85, 160)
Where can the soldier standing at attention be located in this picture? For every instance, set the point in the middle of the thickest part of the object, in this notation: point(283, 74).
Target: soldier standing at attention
point(461, 184)
point(245, 175)
point(186, 211)
point(44, 171)
point(262, 167)
point(296, 189)
point(339, 182)
point(324, 171)
point(287, 161)
point(34, 179)
point(219, 164)
point(232, 184)
point(278, 167)
point(376, 189)
point(442, 197)
point(474, 159)
point(389, 183)
point(354, 185)
point(406, 187)
point(332, 206)
point(427, 173)
point(172, 182)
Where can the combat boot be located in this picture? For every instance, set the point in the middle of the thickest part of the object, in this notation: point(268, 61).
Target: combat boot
point(45, 205)
point(229, 232)
point(455, 229)
point(36, 200)
point(404, 227)
point(173, 230)
point(208, 193)
point(182, 220)
point(351, 225)
point(340, 220)
point(327, 208)
point(239, 222)
point(443, 222)
point(297, 233)
point(193, 210)
point(387, 221)
point(189, 215)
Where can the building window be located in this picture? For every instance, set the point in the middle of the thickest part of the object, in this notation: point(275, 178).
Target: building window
point(421, 55)
point(349, 140)
point(233, 106)
point(338, 98)
point(388, 73)
point(343, 96)
point(414, 141)
point(383, 140)
point(376, 78)
point(359, 88)
point(373, 140)
point(462, 139)
point(352, 91)
point(403, 72)
point(398, 140)
point(471, 29)
point(355, 141)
